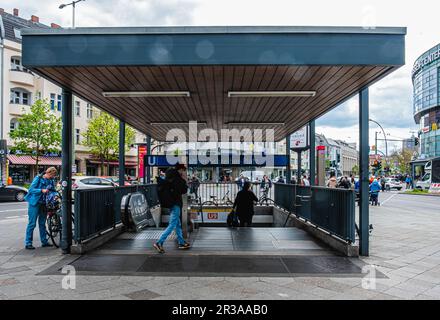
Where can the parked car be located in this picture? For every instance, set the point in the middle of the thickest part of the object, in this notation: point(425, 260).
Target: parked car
point(12, 193)
point(425, 182)
point(115, 180)
point(84, 182)
point(393, 183)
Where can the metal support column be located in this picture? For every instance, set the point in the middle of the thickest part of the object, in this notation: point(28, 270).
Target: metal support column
point(288, 171)
point(364, 173)
point(66, 171)
point(312, 159)
point(121, 153)
point(147, 174)
point(299, 173)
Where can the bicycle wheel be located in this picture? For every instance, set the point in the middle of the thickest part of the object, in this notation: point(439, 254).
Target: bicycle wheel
point(209, 203)
point(229, 203)
point(266, 201)
point(54, 229)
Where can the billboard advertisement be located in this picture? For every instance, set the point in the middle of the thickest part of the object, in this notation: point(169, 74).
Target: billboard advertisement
point(298, 140)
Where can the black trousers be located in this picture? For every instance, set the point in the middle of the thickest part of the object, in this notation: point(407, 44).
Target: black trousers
point(245, 221)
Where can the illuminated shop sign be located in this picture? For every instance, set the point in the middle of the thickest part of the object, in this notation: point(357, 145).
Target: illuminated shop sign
point(422, 62)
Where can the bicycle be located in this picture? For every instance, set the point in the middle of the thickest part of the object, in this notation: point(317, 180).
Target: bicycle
point(54, 222)
point(224, 201)
point(264, 198)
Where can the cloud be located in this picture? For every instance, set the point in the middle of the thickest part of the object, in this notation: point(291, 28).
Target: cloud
point(390, 105)
point(98, 13)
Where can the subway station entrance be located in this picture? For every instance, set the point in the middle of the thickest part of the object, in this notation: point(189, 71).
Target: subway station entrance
point(160, 79)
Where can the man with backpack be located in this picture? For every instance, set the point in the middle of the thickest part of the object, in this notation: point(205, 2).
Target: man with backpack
point(170, 191)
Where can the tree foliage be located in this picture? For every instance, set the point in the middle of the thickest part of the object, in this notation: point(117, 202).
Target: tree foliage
point(401, 161)
point(102, 138)
point(38, 132)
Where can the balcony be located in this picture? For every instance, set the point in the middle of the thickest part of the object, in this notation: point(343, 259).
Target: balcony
point(21, 77)
point(18, 109)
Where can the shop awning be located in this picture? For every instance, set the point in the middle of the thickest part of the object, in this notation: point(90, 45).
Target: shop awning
point(30, 160)
point(114, 163)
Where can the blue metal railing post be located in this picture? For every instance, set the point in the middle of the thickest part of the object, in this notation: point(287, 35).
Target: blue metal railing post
point(364, 173)
point(66, 171)
point(288, 170)
point(312, 153)
point(121, 153)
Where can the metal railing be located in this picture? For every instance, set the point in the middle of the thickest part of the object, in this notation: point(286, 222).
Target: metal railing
point(332, 210)
point(229, 189)
point(99, 210)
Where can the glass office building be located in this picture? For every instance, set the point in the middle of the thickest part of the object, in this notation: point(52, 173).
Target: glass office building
point(426, 83)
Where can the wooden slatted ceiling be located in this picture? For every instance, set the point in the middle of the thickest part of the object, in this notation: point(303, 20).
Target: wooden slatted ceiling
point(209, 86)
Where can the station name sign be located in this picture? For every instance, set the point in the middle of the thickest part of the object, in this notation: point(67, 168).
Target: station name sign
point(422, 62)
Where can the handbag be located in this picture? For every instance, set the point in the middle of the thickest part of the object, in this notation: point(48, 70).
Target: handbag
point(232, 219)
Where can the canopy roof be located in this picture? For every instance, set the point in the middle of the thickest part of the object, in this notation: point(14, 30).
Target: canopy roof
point(198, 69)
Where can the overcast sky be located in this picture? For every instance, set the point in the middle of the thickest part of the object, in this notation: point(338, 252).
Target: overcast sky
point(390, 99)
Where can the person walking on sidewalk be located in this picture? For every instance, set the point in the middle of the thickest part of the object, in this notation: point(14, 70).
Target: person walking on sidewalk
point(170, 191)
point(41, 186)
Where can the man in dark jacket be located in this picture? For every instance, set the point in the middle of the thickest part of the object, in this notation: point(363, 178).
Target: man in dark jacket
point(170, 193)
point(244, 205)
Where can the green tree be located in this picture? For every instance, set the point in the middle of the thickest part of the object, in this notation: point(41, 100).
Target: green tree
point(402, 159)
point(102, 137)
point(355, 170)
point(38, 132)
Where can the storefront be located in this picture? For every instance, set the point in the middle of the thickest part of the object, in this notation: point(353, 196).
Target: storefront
point(22, 169)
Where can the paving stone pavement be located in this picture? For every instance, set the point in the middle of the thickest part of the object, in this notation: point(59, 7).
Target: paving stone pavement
point(404, 246)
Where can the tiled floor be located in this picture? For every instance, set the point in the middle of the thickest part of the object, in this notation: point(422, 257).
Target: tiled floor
point(241, 252)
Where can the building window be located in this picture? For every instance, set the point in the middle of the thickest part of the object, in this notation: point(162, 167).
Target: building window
point(77, 108)
point(16, 64)
point(89, 111)
point(13, 124)
point(52, 101)
point(59, 102)
point(20, 96)
point(77, 136)
point(17, 33)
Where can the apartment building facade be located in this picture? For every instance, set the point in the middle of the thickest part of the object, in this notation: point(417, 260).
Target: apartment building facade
point(20, 88)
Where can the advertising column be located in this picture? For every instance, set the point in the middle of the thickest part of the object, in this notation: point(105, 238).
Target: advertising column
point(142, 152)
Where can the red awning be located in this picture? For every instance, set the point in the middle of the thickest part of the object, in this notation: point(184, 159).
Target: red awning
point(114, 163)
point(29, 160)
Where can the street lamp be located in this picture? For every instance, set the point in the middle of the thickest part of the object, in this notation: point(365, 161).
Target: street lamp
point(73, 10)
point(385, 137)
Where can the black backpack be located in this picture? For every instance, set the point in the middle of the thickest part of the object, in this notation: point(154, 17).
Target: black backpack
point(165, 193)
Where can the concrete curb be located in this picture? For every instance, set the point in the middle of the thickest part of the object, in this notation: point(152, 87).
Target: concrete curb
point(421, 194)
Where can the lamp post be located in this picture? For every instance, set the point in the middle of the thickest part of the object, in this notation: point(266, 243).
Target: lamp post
point(385, 137)
point(73, 4)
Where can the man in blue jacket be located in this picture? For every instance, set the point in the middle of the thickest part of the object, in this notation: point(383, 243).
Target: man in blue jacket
point(41, 185)
point(374, 190)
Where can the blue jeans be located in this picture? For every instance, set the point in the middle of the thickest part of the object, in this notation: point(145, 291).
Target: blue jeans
point(34, 213)
point(173, 224)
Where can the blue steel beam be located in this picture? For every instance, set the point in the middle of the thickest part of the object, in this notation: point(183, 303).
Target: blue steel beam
point(66, 171)
point(211, 46)
point(312, 160)
point(364, 175)
point(121, 153)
